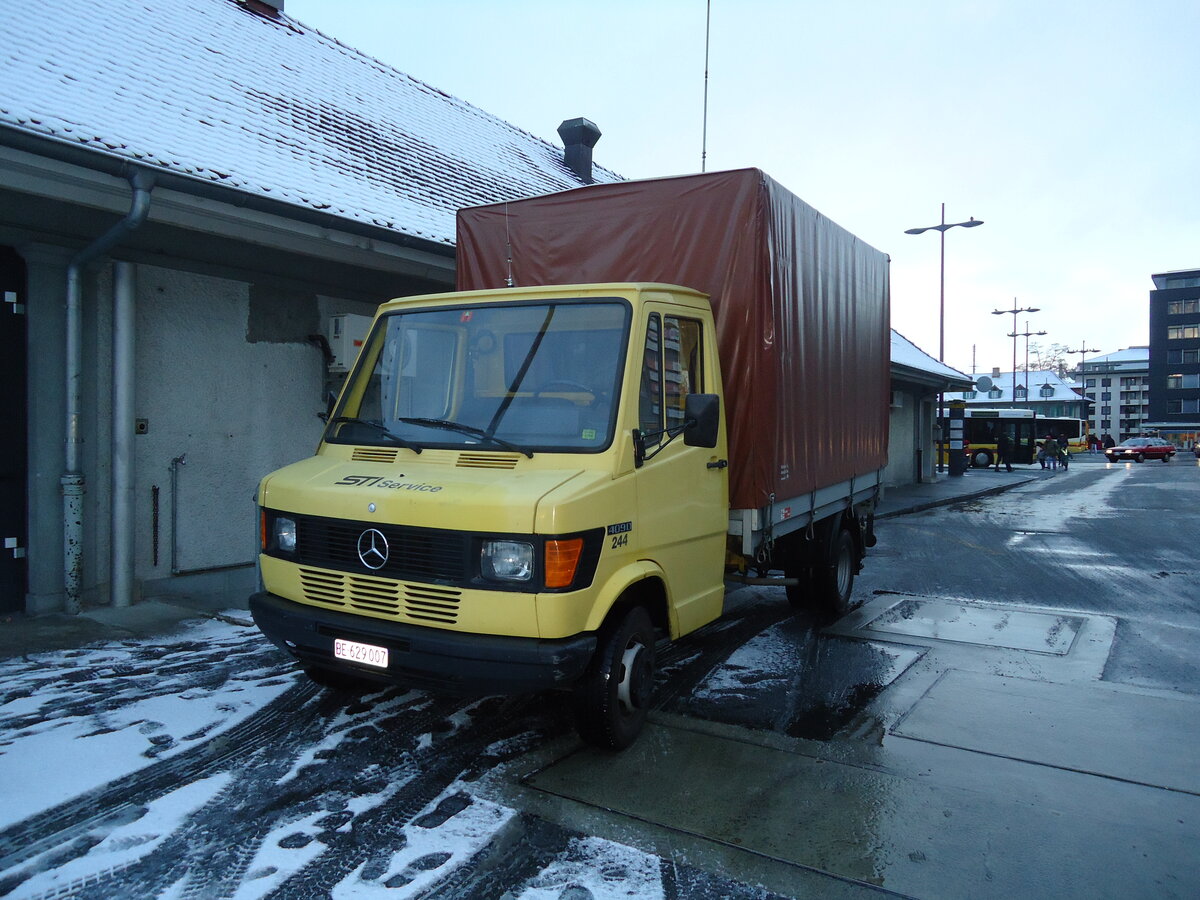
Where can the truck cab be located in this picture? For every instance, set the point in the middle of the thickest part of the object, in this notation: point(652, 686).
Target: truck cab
point(518, 489)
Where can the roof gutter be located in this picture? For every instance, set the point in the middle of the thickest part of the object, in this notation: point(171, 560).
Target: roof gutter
point(113, 164)
point(142, 182)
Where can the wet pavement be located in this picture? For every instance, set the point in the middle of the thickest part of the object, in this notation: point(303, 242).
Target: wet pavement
point(1003, 714)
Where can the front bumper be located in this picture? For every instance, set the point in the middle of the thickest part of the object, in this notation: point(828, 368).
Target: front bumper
point(424, 657)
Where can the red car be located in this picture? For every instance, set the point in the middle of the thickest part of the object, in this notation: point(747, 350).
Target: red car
point(1141, 449)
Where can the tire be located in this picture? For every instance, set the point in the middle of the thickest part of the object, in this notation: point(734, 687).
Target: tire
point(613, 697)
point(981, 459)
point(835, 576)
point(1140, 457)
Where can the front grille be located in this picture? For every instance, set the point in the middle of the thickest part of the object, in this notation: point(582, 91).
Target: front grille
point(381, 596)
point(423, 554)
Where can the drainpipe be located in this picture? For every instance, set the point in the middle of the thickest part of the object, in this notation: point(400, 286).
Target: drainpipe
point(121, 551)
point(142, 182)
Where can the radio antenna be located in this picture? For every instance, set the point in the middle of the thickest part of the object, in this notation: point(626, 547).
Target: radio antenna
point(508, 282)
point(704, 130)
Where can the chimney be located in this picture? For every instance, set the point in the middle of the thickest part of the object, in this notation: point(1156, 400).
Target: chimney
point(579, 136)
point(995, 372)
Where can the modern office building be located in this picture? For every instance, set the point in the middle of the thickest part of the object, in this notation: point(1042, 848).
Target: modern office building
point(1118, 384)
point(1175, 356)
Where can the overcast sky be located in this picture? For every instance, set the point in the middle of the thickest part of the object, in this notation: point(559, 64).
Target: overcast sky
point(1070, 128)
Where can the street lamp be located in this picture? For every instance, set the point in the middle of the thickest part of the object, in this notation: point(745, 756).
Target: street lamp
point(1026, 333)
point(1015, 311)
point(1083, 351)
point(943, 228)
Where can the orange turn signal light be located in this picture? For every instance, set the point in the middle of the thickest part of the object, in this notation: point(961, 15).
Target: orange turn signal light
point(562, 559)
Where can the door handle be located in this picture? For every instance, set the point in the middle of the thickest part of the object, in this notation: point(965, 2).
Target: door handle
point(719, 464)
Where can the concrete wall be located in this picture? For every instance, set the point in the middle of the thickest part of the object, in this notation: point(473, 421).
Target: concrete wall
point(226, 381)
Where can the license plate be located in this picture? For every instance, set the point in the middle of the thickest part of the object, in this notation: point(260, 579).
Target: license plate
point(365, 654)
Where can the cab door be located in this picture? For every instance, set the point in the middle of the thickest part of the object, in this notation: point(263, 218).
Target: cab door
point(682, 491)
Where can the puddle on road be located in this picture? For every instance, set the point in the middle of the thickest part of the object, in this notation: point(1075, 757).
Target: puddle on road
point(791, 680)
point(963, 622)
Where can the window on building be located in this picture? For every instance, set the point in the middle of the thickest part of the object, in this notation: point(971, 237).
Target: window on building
point(1105, 424)
point(1180, 307)
point(1182, 332)
point(1106, 395)
point(969, 395)
point(1047, 390)
point(995, 394)
point(1105, 382)
point(1091, 382)
point(1176, 382)
point(1183, 406)
point(1020, 393)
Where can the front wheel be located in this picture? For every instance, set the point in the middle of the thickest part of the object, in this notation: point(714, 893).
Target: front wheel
point(1141, 457)
point(982, 459)
point(613, 697)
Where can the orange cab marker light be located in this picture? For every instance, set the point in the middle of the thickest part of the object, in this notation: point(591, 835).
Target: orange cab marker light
point(562, 558)
point(263, 529)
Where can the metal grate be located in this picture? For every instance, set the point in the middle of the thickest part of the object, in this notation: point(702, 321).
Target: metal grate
point(381, 596)
point(373, 454)
point(487, 461)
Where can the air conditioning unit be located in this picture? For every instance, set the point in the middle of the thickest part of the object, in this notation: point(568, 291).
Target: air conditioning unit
point(346, 335)
point(897, 400)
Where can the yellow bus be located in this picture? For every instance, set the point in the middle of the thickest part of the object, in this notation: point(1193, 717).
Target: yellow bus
point(1026, 429)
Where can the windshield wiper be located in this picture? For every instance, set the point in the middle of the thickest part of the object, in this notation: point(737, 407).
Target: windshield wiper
point(468, 430)
point(351, 420)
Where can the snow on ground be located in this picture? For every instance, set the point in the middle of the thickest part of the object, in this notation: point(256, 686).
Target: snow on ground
point(75, 720)
point(128, 843)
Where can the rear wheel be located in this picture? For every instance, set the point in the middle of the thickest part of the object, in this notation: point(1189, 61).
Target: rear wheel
point(612, 699)
point(982, 459)
point(1140, 457)
point(835, 576)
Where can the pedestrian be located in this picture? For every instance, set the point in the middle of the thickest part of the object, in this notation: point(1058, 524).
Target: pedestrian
point(1004, 451)
point(1064, 452)
point(1108, 441)
point(1050, 447)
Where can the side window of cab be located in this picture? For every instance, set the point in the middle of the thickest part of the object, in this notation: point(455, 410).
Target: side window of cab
point(672, 368)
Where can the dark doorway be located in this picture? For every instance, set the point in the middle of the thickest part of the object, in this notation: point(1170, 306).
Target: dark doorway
point(12, 445)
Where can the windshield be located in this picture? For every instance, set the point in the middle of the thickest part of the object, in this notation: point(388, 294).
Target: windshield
point(524, 377)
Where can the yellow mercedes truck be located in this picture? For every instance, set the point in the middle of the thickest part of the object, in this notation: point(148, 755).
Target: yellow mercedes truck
point(524, 488)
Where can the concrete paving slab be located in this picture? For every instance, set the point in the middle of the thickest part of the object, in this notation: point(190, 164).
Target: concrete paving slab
point(925, 821)
point(973, 623)
point(1056, 725)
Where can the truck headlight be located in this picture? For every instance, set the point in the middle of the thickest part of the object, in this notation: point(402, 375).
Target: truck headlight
point(507, 560)
point(285, 534)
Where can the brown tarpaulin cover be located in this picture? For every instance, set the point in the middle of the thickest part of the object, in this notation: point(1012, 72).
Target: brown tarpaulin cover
point(801, 305)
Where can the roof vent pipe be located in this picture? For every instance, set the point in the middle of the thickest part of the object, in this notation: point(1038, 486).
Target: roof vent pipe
point(579, 136)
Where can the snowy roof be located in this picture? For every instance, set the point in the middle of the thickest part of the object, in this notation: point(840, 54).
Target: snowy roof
point(906, 353)
point(232, 93)
point(1034, 381)
point(1131, 356)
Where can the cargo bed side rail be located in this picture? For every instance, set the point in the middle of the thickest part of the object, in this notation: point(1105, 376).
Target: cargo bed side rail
point(782, 517)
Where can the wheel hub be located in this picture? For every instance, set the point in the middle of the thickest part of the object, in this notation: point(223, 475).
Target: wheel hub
point(636, 676)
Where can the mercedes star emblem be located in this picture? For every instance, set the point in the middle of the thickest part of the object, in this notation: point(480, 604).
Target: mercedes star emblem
point(373, 549)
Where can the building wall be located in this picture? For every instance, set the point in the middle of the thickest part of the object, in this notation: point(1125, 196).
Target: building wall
point(1175, 348)
point(226, 382)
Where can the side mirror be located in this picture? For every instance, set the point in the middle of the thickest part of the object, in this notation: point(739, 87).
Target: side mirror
point(704, 411)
